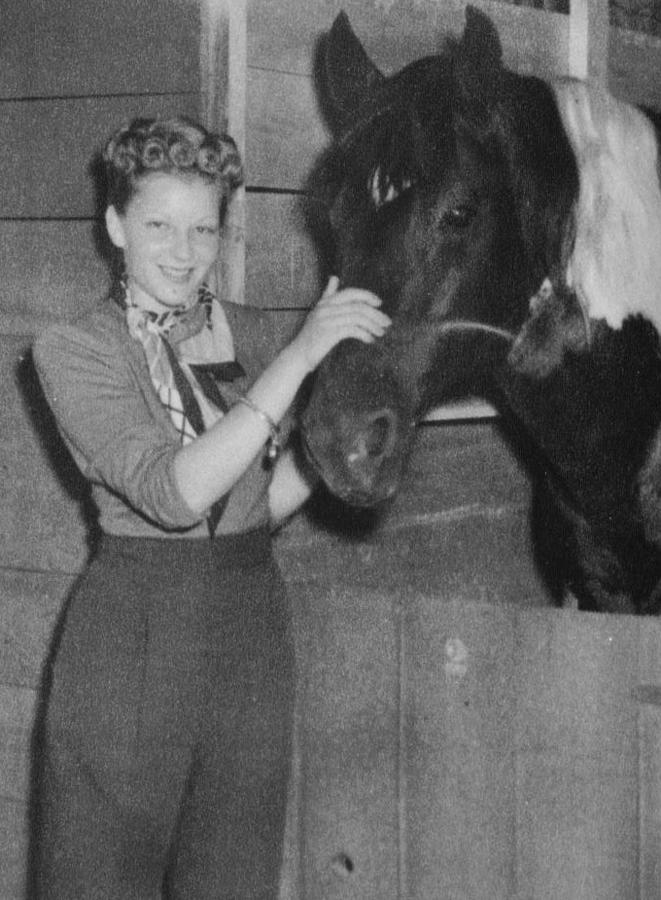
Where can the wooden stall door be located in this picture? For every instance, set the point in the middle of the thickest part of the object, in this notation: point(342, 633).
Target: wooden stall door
point(464, 751)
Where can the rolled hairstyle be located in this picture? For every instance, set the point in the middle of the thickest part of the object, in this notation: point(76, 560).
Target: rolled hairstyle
point(176, 146)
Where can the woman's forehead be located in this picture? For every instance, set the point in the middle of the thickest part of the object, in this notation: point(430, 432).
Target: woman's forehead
point(168, 189)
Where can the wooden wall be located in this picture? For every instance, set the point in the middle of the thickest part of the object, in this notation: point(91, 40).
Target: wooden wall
point(428, 660)
point(70, 72)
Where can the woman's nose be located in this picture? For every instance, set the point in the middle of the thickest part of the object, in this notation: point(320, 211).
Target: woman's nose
point(181, 247)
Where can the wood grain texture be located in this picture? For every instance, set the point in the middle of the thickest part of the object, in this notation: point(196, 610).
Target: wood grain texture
point(41, 525)
point(577, 755)
point(282, 265)
point(648, 701)
point(459, 745)
point(53, 49)
point(14, 828)
point(284, 132)
point(30, 603)
point(223, 75)
point(350, 701)
point(51, 270)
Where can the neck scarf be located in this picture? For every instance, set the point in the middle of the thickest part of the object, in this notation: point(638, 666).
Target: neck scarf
point(188, 349)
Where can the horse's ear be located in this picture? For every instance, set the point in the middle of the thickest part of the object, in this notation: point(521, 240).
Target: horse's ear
point(478, 70)
point(350, 75)
point(480, 39)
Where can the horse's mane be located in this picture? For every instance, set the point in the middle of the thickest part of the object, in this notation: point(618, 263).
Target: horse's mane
point(615, 264)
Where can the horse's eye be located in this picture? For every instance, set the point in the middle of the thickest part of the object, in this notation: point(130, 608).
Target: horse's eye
point(459, 216)
point(383, 190)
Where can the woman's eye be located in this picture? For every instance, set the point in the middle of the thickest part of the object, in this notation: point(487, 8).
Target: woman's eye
point(156, 225)
point(207, 229)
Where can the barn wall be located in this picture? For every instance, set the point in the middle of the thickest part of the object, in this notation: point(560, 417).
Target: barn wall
point(398, 734)
point(70, 72)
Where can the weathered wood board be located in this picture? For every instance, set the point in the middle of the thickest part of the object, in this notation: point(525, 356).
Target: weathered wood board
point(499, 752)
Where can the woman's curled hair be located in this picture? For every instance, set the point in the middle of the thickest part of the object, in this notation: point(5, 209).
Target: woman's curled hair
point(176, 146)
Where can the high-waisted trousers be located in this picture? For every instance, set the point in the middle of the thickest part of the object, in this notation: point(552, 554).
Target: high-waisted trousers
point(167, 737)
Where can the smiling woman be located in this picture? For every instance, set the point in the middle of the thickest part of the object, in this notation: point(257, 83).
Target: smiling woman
point(167, 736)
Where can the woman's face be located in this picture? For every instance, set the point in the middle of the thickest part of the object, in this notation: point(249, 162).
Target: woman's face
point(170, 237)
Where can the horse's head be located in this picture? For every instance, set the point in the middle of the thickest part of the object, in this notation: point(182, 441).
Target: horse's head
point(431, 183)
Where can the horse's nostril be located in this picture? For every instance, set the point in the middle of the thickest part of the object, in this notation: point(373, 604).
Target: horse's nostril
point(375, 441)
point(378, 436)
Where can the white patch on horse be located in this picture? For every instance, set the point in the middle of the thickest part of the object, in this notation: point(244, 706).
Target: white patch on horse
point(615, 267)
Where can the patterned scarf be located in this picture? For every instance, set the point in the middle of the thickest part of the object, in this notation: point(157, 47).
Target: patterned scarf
point(187, 351)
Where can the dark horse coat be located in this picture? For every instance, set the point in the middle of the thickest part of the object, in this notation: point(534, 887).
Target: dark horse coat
point(513, 230)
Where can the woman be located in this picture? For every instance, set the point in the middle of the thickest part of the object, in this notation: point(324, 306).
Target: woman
point(167, 735)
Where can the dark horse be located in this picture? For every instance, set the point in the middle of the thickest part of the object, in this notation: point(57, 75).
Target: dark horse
point(513, 230)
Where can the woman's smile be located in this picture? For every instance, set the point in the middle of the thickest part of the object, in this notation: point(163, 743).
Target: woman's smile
point(179, 276)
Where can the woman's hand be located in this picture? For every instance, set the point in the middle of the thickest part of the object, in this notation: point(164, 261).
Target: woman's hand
point(349, 313)
point(210, 465)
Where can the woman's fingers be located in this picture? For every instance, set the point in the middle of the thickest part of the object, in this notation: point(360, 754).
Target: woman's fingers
point(366, 318)
point(348, 313)
point(331, 287)
point(332, 296)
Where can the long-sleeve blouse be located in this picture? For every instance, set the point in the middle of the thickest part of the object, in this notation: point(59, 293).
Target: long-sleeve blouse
point(97, 383)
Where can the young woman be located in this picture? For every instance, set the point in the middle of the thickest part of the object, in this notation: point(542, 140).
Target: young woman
point(167, 734)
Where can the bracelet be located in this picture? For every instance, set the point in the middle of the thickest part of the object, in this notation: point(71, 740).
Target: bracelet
point(274, 445)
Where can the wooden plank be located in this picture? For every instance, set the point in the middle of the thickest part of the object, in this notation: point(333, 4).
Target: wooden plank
point(42, 524)
point(459, 706)
point(48, 182)
point(214, 62)
point(647, 695)
point(30, 603)
point(223, 91)
point(291, 872)
point(284, 132)
point(81, 48)
point(14, 841)
point(589, 40)
point(18, 708)
point(51, 270)
point(577, 756)
point(282, 267)
point(635, 61)
point(463, 557)
point(350, 691)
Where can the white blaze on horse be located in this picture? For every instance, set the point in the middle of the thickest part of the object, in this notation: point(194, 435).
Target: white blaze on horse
point(513, 230)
